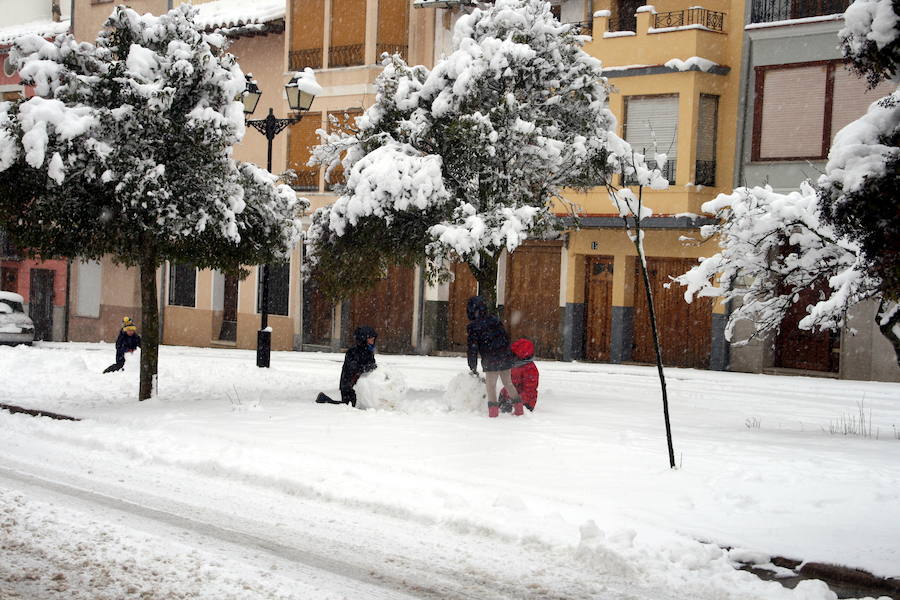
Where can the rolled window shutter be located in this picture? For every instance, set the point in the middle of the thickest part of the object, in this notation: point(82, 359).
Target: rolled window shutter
point(793, 112)
point(851, 98)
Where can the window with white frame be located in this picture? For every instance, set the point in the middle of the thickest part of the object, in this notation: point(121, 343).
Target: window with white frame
point(651, 127)
point(182, 285)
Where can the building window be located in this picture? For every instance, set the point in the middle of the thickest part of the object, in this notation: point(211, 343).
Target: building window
point(182, 285)
point(340, 121)
point(651, 127)
point(705, 169)
point(393, 26)
point(624, 15)
point(302, 138)
point(766, 11)
point(348, 33)
point(799, 108)
point(88, 288)
point(279, 288)
point(307, 34)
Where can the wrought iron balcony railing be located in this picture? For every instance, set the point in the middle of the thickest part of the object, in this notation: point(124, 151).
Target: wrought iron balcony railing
point(300, 59)
point(690, 16)
point(583, 27)
point(766, 11)
point(346, 56)
point(705, 172)
point(391, 49)
point(306, 180)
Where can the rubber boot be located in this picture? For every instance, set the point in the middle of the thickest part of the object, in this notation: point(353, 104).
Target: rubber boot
point(493, 409)
point(518, 409)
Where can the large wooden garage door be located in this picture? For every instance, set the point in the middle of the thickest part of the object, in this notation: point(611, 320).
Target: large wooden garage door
point(388, 307)
point(318, 313)
point(598, 308)
point(796, 348)
point(684, 329)
point(532, 307)
point(462, 288)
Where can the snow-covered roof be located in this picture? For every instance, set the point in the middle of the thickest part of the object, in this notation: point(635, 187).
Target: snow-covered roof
point(47, 29)
point(238, 13)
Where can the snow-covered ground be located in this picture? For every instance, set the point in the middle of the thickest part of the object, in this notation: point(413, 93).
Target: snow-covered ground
point(233, 483)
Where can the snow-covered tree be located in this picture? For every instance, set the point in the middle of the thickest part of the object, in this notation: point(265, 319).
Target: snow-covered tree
point(126, 150)
point(841, 238)
point(463, 161)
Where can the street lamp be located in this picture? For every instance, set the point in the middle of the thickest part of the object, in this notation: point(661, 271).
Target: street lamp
point(300, 95)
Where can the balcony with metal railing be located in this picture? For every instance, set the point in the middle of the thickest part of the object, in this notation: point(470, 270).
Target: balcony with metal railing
point(656, 38)
point(300, 59)
point(767, 11)
point(306, 180)
point(346, 56)
point(700, 17)
point(705, 173)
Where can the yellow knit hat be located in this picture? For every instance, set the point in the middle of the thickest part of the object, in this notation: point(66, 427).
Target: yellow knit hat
point(129, 328)
point(126, 321)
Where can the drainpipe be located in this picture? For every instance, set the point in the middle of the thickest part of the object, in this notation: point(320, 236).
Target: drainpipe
point(163, 279)
point(68, 299)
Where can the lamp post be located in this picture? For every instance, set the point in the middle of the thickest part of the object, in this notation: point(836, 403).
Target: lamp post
point(299, 101)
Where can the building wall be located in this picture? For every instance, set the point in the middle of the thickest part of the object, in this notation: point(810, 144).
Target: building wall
point(864, 352)
point(120, 296)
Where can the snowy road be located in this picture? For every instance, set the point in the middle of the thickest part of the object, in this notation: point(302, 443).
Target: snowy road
point(233, 483)
point(314, 548)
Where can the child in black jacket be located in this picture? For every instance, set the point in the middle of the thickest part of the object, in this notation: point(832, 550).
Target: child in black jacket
point(127, 341)
point(358, 360)
point(487, 337)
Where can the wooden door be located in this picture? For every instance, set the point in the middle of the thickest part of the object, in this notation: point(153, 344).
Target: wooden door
point(796, 348)
point(684, 329)
point(598, 308)
point(318, 313)
point(463, 287)
point(531, 308)
point(625, 19)
point(228, 331)
point(40, 303)
point(388, 307)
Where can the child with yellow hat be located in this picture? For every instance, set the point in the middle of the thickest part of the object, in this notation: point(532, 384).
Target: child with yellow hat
point(127, 341)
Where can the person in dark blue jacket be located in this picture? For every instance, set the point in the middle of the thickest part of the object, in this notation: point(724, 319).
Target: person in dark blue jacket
point(487, 337)
point(127, 341)
point(358, 360)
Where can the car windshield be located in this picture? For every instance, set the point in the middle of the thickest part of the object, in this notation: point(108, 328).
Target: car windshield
point(8, 306)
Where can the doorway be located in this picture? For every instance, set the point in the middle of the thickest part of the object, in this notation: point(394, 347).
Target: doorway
point(228, 331)
point(598, 295)
point(40, 303)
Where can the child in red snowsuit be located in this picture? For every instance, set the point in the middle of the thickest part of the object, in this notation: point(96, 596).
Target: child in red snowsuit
point(524, 376)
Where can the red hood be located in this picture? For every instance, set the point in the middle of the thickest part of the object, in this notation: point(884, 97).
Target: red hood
point(523, 348)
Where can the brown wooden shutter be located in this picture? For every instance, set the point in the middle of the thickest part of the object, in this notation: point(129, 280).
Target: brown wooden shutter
point(307, 34)
point(705, 173)
point(393, 28)
point(302, 138)
point(851, 98)
point(348, 33)
point(793, 112)
point(342, 120)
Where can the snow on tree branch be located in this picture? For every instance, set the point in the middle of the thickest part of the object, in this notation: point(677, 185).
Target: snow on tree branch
point(771, 247)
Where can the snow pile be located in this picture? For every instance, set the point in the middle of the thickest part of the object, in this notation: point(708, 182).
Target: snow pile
point(236, 13)
point(44, 29)
point(466, 393)
point(381, 389)
point(694, 63)
point(385, 389)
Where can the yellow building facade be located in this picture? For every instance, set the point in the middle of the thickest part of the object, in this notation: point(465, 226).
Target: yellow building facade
point(675, 72)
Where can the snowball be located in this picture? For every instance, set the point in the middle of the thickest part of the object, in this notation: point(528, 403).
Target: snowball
point(466, 393)
point(382, 389)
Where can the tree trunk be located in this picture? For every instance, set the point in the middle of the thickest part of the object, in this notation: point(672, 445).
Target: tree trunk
point(887, 327)
point(149, 322)
point(639, 247)
point(485, 274)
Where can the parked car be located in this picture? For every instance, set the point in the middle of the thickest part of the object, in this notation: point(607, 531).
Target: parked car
point(15, 326)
